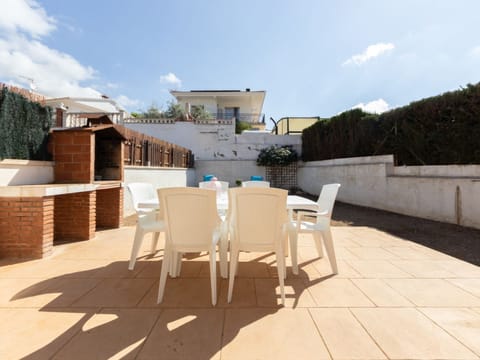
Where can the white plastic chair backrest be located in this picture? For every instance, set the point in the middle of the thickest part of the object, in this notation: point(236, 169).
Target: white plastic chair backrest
point(140, 191)
point(326, 199)
point(258, 216)
point(190, 216)
point(256, 183)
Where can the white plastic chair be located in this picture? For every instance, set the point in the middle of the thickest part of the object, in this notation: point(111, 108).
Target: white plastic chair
point(258, 222)
point(149, 220)
point(319, 228)
point(192, 225)
point(256, 183)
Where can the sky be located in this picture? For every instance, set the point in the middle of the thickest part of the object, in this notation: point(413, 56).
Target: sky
point(312, 57)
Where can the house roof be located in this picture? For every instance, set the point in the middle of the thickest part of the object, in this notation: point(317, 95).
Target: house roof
point(93, 105)
point(256, 98)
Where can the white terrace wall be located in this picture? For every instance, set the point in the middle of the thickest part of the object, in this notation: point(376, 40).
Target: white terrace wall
point(25, 172)
point(227, 170)
point(215, 141)
point(159, 177)
point(443, 193)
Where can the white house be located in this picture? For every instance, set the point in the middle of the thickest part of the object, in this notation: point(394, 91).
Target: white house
point(74, 111)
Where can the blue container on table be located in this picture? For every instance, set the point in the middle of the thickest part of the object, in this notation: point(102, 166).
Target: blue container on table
point(256, 178)
point(208, 177)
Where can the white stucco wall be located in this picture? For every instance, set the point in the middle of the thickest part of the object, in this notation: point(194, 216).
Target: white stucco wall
point(25, 172)
point(443, 193)
point(158, 177)
point(228, 170)
point(211, 142)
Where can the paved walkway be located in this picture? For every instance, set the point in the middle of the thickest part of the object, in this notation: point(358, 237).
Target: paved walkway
point(393, 299)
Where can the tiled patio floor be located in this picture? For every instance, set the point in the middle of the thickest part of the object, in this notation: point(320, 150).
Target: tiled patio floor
point(393, 299)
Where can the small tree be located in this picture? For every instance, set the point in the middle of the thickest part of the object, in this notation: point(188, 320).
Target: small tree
point(153, 112)
point(174, 111)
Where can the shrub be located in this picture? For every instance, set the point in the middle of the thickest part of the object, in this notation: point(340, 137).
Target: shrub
point(277, 156)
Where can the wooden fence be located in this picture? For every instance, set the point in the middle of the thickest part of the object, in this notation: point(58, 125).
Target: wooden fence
point(145, 150)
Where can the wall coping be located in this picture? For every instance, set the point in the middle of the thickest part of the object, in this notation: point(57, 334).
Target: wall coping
point(44, 190)
point(17, 162)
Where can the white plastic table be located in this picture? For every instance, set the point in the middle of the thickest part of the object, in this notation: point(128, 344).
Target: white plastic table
point(294, 202)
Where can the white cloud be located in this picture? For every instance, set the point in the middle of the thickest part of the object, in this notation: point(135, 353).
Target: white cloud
point(23, 56)
point(375, 107)
point(372, 51)
point(475, 51)
point(171, 79)
point(26, 16)
point(126, 102)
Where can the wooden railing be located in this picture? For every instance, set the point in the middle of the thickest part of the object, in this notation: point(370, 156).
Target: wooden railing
point(145, 150)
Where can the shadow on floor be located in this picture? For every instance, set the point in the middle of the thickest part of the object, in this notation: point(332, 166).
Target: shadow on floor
point(457, 241)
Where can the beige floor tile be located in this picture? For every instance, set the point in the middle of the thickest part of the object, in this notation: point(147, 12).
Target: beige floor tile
point(335, 292)
point(372, 253)
point(463, 324)
point(324, 268)
point(470, 285)
point(408, 334)
point(55, 292)
point(408, 253)
point(244, 293)
point(296, 295)
point(461, 268)
point(181, 292)
point(34, 334)
point(116, 293)
point(111, 334)
point(48, 268)
point(185, 334)
point(344, 336)
point(423, 268)
point(433, 292)
point(150, 269)
point(377, 269)
point(380, 293)
point(271, 334)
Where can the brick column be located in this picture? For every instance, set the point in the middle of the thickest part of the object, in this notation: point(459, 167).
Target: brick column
point(75, 216)
point(26, 227)
point(110, 207)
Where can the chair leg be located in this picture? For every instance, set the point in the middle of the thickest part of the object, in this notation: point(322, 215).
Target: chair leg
point(233, 269)
point(281, 273)
point(328, 241)
point(155, 237)
point(176, 264)
point(137, 242)
point(213, 274)
point(293, 239)
point(318, 243)
point(167, 257)
point(223, 258)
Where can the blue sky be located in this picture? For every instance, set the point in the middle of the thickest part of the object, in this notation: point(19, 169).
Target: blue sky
point(313, 57)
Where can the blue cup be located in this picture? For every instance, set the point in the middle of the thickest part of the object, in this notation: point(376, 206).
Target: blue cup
point(256, 178)
point(208, 177)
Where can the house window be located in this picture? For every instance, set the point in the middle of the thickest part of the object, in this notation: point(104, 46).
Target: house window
point(232, 112)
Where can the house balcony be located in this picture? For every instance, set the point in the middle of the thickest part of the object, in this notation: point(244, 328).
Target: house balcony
point(211, 119)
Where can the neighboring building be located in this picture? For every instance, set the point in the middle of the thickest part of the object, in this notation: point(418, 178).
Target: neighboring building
point(74, 111)
point(293, 125)
point(225, 104)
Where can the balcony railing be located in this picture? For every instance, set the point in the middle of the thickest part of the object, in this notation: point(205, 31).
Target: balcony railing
point(212, 119)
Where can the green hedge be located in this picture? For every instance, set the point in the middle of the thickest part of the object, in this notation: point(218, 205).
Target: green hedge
point(24, 127)
point(440, 130)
